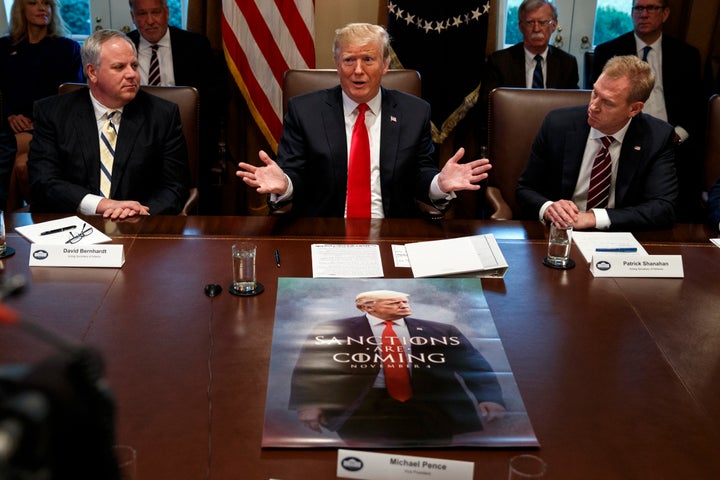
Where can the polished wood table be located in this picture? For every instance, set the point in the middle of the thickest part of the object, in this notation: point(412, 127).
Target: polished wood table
point(620, 377)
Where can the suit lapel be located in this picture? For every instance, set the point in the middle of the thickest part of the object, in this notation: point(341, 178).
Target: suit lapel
point(333, 124)
point(575, 141)
point(631, 157)
point(390, 121)
point(130, 128)
point(82, 120)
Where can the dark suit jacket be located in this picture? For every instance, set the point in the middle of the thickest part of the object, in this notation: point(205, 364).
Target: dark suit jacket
point(323, 378)
point(195, 65)
point(646, 185)
point(714, 204)
point(313, 153)
point(682, 81)
point(150, 163)
point(506, 68)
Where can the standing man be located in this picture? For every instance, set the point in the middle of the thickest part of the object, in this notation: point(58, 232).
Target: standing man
point(606, 165)
point(182, 58)
point(316, 168)
point(678, 96)
point(385, 377)
point(533, 63)
point(108, 149)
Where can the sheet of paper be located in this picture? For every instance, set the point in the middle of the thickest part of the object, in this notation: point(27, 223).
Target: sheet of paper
point(622, 242)
point(346, 261)
point(400, 256)
point(70, 230)
point(716, 241)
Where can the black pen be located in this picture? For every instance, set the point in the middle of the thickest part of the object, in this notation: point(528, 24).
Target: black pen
point(277, 258)
point(58, 230)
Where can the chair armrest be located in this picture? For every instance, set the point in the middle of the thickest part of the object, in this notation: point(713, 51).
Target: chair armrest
point(501, 210)
point(192, 202)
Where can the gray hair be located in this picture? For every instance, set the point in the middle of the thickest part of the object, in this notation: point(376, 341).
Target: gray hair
point(532, 5)
point(132, 4)
point(90, 50)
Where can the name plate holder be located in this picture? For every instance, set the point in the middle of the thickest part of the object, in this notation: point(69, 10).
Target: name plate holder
point(95, 255)
point(644, 266)
point(363, 465)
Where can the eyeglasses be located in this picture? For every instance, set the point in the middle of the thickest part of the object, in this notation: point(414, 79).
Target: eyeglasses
point(647, 8)
point(86, 230)
point(539, 23)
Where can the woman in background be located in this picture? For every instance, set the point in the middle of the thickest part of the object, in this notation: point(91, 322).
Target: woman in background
point(35, 58)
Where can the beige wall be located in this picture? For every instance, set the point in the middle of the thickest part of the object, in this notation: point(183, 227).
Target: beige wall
point(333, 14)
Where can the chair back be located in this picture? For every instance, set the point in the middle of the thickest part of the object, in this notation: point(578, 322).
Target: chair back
point(712, 145)
point(300, 81)
point(515, 116)
point(188, 101)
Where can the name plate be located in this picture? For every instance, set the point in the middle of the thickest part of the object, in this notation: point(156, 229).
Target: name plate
point(650, 266)
point(112, 256)
point(382, 466)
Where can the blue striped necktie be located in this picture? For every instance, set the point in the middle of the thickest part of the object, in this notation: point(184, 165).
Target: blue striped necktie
point(154, 71)
point(537, 81)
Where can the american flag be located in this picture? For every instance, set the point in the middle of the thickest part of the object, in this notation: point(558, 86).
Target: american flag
point(262, 39)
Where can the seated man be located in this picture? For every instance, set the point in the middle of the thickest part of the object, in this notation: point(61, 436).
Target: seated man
point(314, 168)
point(113, 149)
point(607, 165)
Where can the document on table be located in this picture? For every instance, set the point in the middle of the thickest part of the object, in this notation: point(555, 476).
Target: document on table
point(716, 241)
point(346, 261)
point(474, 256)
point(622, 243)
point(69, 230)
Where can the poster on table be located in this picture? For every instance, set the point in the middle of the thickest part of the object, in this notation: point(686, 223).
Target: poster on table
point(326, 382)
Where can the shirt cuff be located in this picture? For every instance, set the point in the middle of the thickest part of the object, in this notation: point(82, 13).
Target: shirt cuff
point(437, 196)
point(602, 219)
point(275, 198)
point(543, 209)
point(681, 133)
point(88, 205)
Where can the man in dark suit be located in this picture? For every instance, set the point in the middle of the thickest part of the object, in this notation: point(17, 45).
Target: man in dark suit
point(312, 163)
point(714, 205)
point(345, 377)
point(149, 171)
point(642, 185)
point(678, 97)
point(515, 66)
point(184, 58)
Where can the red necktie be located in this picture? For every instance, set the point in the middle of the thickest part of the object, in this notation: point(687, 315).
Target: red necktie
point(397, 380)
point(599, 190)
point(358, 186)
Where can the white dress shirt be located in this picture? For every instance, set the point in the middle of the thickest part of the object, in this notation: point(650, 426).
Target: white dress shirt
point(164, 52)
point(530, 67)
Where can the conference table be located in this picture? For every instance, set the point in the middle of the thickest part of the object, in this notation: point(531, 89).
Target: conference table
point(620, 376)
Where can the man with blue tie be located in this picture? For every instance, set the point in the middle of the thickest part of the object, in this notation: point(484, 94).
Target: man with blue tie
point(678, 96)
point(108, 149)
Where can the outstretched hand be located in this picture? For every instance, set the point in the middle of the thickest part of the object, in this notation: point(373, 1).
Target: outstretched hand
point(456, 176)
point(264, 179)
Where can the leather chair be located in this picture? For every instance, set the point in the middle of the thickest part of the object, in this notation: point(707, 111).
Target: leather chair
point(296, 82)
point(712, 145)
point(515, 116)
point(188, 101)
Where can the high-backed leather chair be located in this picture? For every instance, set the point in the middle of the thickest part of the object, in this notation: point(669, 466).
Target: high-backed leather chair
point(712, 145)
point(188, 102)
point(515, 116)
point(296, 82)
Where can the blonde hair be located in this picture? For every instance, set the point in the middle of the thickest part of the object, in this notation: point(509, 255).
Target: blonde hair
point(19, 26)
point(639, 72)
point(363, 34)
point(368, 298)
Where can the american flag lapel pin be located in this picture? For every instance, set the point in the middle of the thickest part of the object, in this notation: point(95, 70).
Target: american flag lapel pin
point(393, 119)
point(637, 147)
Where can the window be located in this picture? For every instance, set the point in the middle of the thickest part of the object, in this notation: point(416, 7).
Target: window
point(78, 14)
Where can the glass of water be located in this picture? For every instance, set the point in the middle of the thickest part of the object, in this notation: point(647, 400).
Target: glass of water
point(559, 241)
